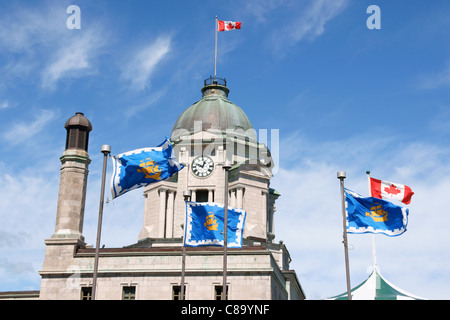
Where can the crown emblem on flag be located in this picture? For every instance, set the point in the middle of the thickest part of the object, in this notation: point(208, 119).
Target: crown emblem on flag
point(377, 214)
point(211, 222)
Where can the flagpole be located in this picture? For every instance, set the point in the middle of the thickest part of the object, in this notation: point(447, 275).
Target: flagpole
point(374, 254)
point(215, 52)
point(226, 167)
point(341, 175)
point(187, 197)
point(106, 150)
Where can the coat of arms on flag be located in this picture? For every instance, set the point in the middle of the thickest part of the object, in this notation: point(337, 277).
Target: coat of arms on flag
point(205, 225)
point(140, 167)
point(372, 215)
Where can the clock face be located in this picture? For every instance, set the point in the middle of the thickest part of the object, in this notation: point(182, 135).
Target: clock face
point(202, 166)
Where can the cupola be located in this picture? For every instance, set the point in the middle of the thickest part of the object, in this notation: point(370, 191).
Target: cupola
point(78, 128)
point(215, 113)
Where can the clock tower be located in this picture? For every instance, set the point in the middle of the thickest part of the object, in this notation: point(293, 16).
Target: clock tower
point(206, 134)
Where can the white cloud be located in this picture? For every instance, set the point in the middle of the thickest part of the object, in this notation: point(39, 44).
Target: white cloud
point(24, 29)
point(34, 40)
point(144, 103)
point(74, 59)
point(260, 8)
point(312, 23)
point(27, 210)
point(5, 105)
point(143, 63)
point(307, 23)
point(122, 219)
point(23, 131)
point(436, 80)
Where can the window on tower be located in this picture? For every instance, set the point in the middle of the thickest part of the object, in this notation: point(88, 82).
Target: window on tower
point(202, 196)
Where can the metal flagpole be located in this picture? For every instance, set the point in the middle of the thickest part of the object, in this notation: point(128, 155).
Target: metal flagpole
point(341, 176)
point(215, 52)
point(187, 197)
point(226, 167)
point(183, 270)
point(106, 150)
point(374, 254)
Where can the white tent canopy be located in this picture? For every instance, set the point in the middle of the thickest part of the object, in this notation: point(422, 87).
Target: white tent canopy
point(377, 288)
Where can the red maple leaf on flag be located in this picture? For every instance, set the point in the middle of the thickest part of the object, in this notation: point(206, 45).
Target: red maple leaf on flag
point(230, 26)
point(392, 190)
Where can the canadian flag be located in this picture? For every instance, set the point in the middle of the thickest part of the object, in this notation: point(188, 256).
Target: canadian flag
point(227, 25)
point(389, 190)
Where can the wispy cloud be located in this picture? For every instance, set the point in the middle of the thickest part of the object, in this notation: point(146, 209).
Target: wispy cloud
point(143, 62)
point(74, 59)
point(306, 23)
point(436, 80)
point(261, 8)
point(144, 103)
point(28, 32)
point(312, 23)
point(5, 105)
point(24, 33)
point(23, 131)
point(25, 223)
point(25, 29)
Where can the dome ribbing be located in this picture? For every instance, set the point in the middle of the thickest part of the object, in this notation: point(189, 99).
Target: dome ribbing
point(214, 113)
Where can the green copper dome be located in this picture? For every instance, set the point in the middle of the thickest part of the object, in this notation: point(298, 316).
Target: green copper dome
point(213, 113)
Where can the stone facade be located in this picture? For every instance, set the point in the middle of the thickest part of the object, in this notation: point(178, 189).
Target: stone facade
point(253, 274)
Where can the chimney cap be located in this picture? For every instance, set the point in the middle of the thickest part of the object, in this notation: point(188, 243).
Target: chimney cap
point(78, 120)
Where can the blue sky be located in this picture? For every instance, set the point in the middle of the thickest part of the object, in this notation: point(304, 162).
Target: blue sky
point(343, 97)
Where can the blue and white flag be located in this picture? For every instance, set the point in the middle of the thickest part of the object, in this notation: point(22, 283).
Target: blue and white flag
point(372, 215)
point(140, 167)
point(205, 225)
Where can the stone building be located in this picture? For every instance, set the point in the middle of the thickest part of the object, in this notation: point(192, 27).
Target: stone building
point(204, 136)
